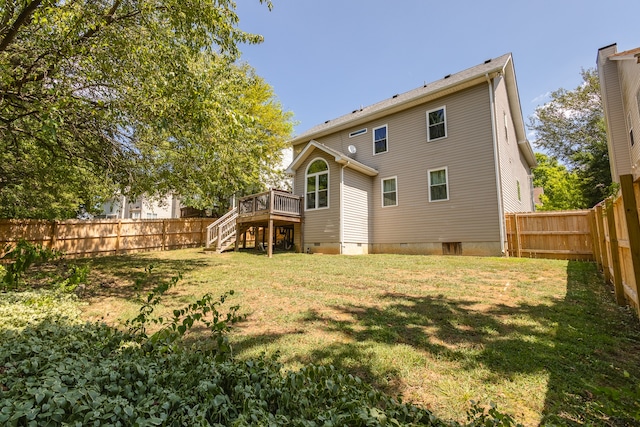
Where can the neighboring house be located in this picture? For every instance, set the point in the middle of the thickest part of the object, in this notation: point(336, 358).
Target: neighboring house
point(429, 171)
point(619, 74)
point(142, 208)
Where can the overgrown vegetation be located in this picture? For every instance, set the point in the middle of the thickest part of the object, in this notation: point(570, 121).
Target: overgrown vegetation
point(22, 256)
point(57, 370)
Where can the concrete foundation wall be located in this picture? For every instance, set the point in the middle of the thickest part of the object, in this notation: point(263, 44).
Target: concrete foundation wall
point(451, 248)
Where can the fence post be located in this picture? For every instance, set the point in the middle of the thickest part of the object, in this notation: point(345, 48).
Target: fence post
point(633, 228)
point(518, 243)
point(602, 244)
point(615, 255)
point(54, 234)
point(593, 226)
point(164, 235)
point(118, 230)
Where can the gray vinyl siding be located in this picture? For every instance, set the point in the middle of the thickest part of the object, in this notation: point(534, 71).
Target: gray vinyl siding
point(322, 225)
point(357, 205)
point(471, 213)
point(513, 166)
point(630, 85)
point(617, 137)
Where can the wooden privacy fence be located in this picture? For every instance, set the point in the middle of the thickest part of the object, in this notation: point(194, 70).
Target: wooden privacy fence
point(78, 238)
point(609, 234)
point(617, 241)
point(556, 235)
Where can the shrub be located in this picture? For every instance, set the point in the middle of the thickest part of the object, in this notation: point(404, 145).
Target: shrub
point(21, 257)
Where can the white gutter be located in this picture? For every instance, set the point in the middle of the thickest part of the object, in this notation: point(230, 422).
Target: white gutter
point(342, 206)
point(496, 155)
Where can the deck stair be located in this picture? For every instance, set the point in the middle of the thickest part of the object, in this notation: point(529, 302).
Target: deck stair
point(221, 235)
point(266, 210)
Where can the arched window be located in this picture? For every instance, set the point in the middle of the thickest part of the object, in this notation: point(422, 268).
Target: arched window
point(317, 185)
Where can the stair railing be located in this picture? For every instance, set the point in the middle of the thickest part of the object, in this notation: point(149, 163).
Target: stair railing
point(223, 229)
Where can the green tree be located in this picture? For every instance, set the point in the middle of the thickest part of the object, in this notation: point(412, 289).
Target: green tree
point(561, 187)
point(135, 95)
point(571, 128)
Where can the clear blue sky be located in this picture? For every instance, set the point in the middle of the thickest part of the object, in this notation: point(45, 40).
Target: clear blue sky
point(325, 58)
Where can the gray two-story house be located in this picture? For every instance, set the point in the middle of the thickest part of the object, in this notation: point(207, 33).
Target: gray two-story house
point(429, 171)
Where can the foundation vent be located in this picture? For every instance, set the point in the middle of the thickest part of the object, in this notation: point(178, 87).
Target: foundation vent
point(452, 248)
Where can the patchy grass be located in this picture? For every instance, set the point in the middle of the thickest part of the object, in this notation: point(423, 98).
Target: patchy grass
point(543, 339)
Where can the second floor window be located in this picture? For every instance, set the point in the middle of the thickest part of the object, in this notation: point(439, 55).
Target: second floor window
point(380, 140)
point(436, 124)
point(317, 191)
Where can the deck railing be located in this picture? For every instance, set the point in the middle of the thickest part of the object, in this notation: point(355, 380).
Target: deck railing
point(273, 201)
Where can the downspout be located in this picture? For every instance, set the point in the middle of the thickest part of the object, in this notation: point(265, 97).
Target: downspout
point(342, 206)
point(496, 156)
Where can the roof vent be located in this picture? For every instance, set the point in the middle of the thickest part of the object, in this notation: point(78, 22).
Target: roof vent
point(395, 96)
point(447, 76)
point(327, 121)
point(354, 111)
point(487, 61)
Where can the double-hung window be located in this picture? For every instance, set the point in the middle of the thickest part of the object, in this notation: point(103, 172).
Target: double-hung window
point(389, 192)
point(317, 185)
point(438, 185)
point(436, 124)
point(380, 140)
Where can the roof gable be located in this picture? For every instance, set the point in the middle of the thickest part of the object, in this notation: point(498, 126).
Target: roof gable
point(338, 156)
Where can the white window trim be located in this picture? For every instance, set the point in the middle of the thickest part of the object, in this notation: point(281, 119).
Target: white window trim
point(373, 139)
point(444, 108)
point(446, 174)
point(306, 176)
point(395, 178)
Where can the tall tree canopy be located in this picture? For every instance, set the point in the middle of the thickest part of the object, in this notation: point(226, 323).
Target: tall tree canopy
point(561, 187)
point(130, 95)
point(571, 127)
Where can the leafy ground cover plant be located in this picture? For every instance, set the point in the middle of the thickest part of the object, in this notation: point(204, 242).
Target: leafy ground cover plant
point(20, 258)
point(56, 369)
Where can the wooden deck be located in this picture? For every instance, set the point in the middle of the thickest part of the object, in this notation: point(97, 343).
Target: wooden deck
point(271, 209)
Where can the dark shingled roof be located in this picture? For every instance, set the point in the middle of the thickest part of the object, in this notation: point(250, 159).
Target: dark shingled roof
point(450, 81)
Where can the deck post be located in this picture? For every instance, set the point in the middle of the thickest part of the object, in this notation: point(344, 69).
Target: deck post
point(270, 240)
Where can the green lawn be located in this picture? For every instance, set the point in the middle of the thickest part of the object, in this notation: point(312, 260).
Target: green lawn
point(542, 339)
